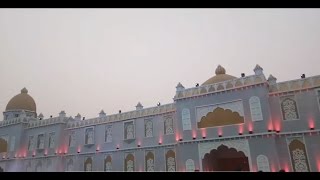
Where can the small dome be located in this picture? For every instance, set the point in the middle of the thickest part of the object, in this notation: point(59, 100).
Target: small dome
point(219, 77)
point(22, 101)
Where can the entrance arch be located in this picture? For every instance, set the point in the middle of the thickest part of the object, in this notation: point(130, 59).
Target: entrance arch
point(225, 159)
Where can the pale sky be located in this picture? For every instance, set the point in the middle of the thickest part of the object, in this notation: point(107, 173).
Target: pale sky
point(85, 60)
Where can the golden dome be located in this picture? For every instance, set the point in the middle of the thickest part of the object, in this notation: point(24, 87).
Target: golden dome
point(22, 101)
point(219, 77)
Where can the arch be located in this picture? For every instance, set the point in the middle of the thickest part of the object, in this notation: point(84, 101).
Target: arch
point(70, 165)
point(229, 85)
point(255, 108)
point(108, 163)
point(186, 120)
point(263, 163)
point(211, 89)
point(225, 159)
point(203, 90)
point(129, 163)
point(289, 109)
point(190, 165)
point(238, 83)
point(149, 162)
point(298, 155)
point(88, 164)
point(3, 145)
point(220, 87)
point(170, 161)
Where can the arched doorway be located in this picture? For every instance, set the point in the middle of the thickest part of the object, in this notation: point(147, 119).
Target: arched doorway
point(225, 159)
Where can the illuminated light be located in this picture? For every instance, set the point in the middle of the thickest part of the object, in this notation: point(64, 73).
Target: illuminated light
point(250, 132)
point(160, 143)
point(60, 151)
point(180, 139)
point(204, 133)
point(311, 124)
point(240, 129)
point(203, 137)
point(117, 146)
point(277, 131)
point(220, 132)
point(98, 148)
point(79, 149)
point(194, 138)
point(250, 127)
point(138, 145)
point(34, 153)
point(15, 155)
point(220, 135)
point(194, 134)
point(3, 157)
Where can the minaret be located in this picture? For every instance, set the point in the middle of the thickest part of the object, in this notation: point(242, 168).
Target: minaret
point(258, 70)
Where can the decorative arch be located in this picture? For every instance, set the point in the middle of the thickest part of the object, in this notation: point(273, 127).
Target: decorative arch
point(298, 154)
point(129, 163)
point(255, 108)
point(38, 166)
point(170, 161)
point(289, 108)
point(225, 159)
point(108, 163)
point(186, 120)
point(149, 161)
point(88, 164)
point(190, 165)
point(70, 164)
point(3, 145)
point(263, 163)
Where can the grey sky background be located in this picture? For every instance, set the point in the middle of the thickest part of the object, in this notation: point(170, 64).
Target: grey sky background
point(85, 60)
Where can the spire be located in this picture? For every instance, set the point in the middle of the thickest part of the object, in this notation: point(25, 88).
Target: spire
point(220, 70)
point(102, 113)
point(258, 70)
point(272, 80)
point(77, 117)
point(40, 116)
point(24, 90)
point(139, 106)
point(62, 114)
point(179, 87)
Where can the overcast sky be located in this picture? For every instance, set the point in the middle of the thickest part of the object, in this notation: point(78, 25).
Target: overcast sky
point(85, 60)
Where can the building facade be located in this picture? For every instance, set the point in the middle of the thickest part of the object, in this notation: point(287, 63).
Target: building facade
point(228, 123)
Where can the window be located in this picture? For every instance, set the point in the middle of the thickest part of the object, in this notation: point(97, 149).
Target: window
point(149, 161)
point(88, 164)
point(129, 130)
point(72, 139)
point(148, 128)
point(108, 163)
point(168, 125)
point(186, 121)
point(129, 162)
point(108, 133)
point(289, 108)
point(51, 140)
point(190, 165)
point(318, 98)
point(31, 143)
point(12, 143)
point(263, 163)
point(171, 161)
point(255, 108)
point(89, 136)
point(40, 141)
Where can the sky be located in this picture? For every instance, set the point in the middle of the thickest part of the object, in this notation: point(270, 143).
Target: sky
point(86, 60)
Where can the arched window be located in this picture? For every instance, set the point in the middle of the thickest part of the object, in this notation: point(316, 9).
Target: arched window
point(108, 163)
point(289, 109)
point(186, 121)
point(148, 128)
point(255, 108)
point(170, 161)
point(88, 164)
point(108, 133)
point(129, 162)
point(190, 165)
point(168, 125)
point(149, 161)
point(263, 163)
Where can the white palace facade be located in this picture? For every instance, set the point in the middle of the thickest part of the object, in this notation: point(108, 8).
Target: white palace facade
point(228, 123)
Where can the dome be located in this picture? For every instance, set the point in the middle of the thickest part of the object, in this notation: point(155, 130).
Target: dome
point(22, 101)
point(219, 77)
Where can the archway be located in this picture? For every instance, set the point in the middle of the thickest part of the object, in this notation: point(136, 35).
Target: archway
point(225, 159)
